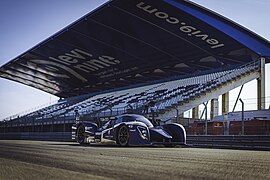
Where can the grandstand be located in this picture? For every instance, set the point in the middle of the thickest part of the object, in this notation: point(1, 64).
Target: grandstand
point(182, 94)
point(105, 65)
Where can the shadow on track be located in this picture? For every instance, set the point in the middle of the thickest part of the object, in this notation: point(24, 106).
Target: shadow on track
point(111, 145)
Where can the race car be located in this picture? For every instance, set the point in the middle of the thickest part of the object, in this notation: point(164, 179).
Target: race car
point(129, 130)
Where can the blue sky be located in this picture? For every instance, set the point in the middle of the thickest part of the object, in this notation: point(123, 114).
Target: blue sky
point(28, 22)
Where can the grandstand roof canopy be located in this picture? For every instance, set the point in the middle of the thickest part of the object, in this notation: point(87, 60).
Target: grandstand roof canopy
point(125, 43)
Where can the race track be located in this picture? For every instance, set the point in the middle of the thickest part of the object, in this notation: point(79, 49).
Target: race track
point(65, 160)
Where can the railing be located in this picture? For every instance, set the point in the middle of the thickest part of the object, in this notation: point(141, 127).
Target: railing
point(26, 112)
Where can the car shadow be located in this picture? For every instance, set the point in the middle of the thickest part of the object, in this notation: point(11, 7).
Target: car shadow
point(108, 145)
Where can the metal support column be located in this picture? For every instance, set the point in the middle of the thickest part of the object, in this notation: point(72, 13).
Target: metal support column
point(214, 108)
point(225, 103)
point(261, 86)
point(195, 113)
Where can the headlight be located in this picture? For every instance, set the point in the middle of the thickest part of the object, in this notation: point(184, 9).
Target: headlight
point(143, 132)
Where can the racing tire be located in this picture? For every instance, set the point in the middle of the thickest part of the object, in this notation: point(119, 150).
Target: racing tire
point(122, 136)
point(80, 134)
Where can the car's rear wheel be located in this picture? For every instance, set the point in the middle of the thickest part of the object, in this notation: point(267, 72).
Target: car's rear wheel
point(81, 134)
point(122, 136)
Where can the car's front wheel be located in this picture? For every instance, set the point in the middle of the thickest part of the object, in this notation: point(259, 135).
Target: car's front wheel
point(81, 134)
point(122, 138)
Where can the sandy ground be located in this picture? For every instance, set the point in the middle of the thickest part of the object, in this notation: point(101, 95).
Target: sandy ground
point(54, 160)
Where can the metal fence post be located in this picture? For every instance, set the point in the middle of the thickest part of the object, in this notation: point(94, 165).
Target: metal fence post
point(242, 115)
point(206, 125)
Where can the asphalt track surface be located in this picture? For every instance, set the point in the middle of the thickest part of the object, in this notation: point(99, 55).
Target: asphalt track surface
point(62, 160)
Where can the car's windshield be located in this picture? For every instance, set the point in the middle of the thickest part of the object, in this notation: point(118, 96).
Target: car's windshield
point(134, 117)
point(128, 118)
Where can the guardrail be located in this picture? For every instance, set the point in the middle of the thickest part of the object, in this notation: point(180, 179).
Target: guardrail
point(260, 142)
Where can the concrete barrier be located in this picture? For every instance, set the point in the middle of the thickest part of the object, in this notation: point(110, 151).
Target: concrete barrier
point(236, 142)
point(260, 142)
